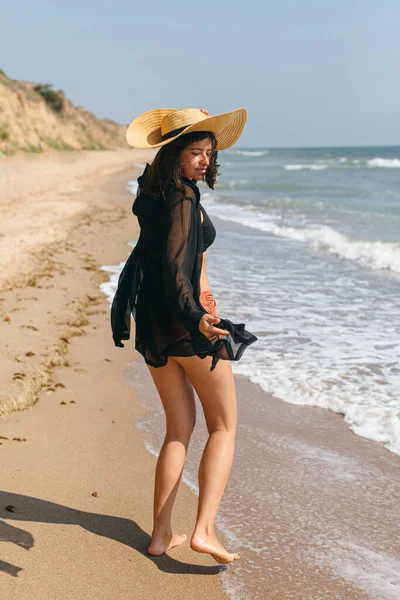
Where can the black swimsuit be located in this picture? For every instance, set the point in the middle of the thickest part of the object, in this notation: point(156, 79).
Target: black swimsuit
point(209, 232)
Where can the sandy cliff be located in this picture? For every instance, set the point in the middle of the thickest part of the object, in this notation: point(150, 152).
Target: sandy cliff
point(33, 117)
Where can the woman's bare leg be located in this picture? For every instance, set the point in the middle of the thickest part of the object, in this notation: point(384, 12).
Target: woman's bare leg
point(216, 391)
point(177, 397)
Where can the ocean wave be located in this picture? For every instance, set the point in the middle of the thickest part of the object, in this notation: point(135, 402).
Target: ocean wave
point(250, 152)
point(376, 255)
point(238, 182)
point(388, 163)
point(299, 167)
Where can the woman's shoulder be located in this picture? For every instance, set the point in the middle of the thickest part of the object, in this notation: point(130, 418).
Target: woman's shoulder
point(186, 188)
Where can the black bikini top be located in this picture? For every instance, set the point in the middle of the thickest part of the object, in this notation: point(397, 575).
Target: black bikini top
point(209, 232)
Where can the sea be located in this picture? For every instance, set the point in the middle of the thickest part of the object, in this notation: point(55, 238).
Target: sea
point(307, 255)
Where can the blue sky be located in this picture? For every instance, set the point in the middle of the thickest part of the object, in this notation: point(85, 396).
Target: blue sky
point(310, 73)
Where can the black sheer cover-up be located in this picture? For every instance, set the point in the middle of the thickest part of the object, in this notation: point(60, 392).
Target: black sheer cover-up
point(160, 283)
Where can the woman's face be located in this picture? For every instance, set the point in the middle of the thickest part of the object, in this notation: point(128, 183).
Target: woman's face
point(195, 159)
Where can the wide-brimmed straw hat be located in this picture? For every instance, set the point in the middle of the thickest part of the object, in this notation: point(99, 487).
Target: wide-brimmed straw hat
point(156, 128)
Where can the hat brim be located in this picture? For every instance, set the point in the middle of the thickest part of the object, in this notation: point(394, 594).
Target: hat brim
point(145, 130)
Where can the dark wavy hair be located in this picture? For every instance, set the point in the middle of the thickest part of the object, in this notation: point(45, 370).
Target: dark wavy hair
point(165, 166)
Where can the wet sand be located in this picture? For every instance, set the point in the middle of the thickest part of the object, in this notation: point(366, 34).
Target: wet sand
point(311, 508)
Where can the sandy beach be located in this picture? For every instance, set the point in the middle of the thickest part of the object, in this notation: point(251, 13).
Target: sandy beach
point(77, 481)
point(78, 415)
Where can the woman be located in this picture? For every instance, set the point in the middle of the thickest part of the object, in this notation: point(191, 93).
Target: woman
point(164, 286)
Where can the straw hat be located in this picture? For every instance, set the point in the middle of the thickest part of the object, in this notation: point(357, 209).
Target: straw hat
point(161, 126)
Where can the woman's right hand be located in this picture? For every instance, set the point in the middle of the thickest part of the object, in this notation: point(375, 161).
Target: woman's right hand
point(207, 328)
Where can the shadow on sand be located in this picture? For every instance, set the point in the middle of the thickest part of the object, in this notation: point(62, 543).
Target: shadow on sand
point(124, 531)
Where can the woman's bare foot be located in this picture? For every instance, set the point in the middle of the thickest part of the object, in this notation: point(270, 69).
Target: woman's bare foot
point(211, 545)
point(162, 542)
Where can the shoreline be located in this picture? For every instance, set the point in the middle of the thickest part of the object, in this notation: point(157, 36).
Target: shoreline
point(69, 460)
point(75, 462)
point(310, 506)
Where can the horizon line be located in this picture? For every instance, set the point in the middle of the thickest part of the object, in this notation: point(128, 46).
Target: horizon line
point(319, 147)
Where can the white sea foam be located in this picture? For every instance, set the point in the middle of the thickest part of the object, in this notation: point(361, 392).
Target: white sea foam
point(393, 163)
point(299, 167)
point(132, 186)
point(324, 385)
point(238, 182)
point(388, 163)
point(324, 340)
point(249, 152)
point(109, 287)
point(376, 573)
point(376, 255)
